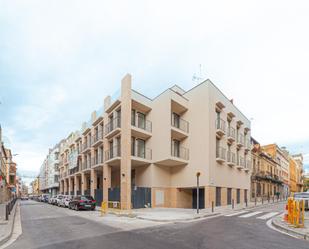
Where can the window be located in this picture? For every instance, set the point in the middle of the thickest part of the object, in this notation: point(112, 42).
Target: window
point(176, 120)
point(140, 148)
point(141, 120)
point(133, 117)
point(218, 196)
point(176, 148)
point(238, 196)
point(229, 196)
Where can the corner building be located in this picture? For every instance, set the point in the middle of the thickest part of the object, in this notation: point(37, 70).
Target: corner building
point(141, 151)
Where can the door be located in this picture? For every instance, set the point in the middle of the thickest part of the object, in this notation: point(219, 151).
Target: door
point(201, 198)
point(141, 197)
point(218, 196)
point(229, 196)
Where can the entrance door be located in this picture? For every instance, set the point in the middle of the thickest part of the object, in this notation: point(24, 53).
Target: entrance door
point(201, 198)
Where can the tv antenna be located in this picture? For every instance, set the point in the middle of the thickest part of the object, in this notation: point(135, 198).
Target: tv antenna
point(197, 78)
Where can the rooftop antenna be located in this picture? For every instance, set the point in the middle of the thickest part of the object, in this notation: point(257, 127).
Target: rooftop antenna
point(197, 78)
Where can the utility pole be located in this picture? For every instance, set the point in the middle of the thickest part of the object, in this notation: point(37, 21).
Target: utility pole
point(198, 192)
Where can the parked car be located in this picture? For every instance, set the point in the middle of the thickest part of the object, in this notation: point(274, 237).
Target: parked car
point(85, 202)
point(44, 197)
point(23, 198)
point(303, 196)
point(58, 199)
point(51, 200)
point(64, 202)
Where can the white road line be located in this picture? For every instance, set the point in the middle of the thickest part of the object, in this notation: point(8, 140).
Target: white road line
point(237, 213)
point(267, 216)
point(250, 214)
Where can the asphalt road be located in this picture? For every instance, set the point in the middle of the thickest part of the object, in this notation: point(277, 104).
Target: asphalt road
point(46, 226)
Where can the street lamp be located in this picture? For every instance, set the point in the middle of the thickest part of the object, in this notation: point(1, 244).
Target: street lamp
point(198, 192)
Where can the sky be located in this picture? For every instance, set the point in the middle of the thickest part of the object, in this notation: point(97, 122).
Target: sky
point(59, 59)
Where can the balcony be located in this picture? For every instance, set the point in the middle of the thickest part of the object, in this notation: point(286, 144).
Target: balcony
point(240, 140)
point(97, 139)
point(86, 147)
point(141, 127)
point(240, 162)
point(231, 161)
point(112, 127)
point(231, 135)
point(180, 127)
point(86, 165)
point(141, 155)
point(179, 156)
point(247, 145)
point(220, 128)
point(247, 165)
point(97, 161)
point(220, 155)
point(112, 156)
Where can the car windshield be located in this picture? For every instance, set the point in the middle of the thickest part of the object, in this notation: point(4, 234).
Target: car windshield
point(85, 198)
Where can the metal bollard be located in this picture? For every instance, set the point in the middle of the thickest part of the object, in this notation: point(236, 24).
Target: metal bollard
point(6, 212)
point(255, 201)
point(233, 204)
point(273, 199)
point(246, 203)
point(262, 200)
point(212, 207)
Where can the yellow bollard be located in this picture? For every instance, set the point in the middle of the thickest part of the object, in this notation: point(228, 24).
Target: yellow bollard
point(103, 208)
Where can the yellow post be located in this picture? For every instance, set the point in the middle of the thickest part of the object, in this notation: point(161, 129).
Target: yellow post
point(103, 208)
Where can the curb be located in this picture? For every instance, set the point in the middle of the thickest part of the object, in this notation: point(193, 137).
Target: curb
point(7, 237)
point(180, 220)
point(290, 231)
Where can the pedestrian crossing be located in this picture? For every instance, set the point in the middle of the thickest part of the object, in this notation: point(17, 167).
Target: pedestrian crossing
point(253, 214)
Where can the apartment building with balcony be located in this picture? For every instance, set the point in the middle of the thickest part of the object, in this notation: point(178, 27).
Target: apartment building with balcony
point(281, 156)
point(298, 158)
point(142, 151)
point(266, 182)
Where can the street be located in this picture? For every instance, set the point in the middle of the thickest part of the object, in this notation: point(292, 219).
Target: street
point(46, 226)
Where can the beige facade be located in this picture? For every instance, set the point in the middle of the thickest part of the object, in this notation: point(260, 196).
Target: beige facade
point(141, 151)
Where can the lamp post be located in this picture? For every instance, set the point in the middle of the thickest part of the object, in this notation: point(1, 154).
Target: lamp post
point(198, 192)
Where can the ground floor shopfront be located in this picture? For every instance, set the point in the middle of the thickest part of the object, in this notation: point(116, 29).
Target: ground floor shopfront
point(265, 189)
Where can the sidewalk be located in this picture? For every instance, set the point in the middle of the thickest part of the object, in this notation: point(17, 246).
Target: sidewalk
point(282, 225)
point(182, 214)
point(6, 227)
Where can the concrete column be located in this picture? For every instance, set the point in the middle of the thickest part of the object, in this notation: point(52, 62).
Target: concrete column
point(93, 182)
point(70, 185)
point(125, 167)
point(75, 185)
point(84, 183)
point(107, 170)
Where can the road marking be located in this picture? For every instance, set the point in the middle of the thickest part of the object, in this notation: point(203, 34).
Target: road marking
point(250, 214)
point(267, 216)
point(234, 214)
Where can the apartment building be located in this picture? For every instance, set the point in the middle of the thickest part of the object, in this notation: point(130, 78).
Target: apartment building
point(49, 172)
point(141, 151)
point(282, 159)
point(298, 158)
point(266, 180)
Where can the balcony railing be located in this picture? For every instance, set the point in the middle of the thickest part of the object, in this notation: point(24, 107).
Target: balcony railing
point(112, 125)
point(113, 152)
point(142, 123)
point(181, 124)
point(240, 139)
point(86, 165)
point(86, 146)
point(221, 153)
point(240, 161)
point(97, 160)
point(180, 152)
point(220, 124)
point(247, 144)
point(142, 152)
point(231, 159)
point(247, 164)
point(98, 136)
point(231, 133)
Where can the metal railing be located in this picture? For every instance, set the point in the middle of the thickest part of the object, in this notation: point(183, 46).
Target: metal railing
point(180, 123)
point(231, 158)
point(231, 133)
point(240, 161)
point(86, 165)
point(113, 152)
point(112, 125)
point(97, 160)
point(180, 152)
point(142, 152)
point(240, 139)
point(142, 123)
point(86, 145)
point(221, 153)
point(220, 124)
point(98, 136)
point(8, 208)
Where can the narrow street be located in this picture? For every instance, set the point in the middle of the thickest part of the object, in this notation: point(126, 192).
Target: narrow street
point(46, 226)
